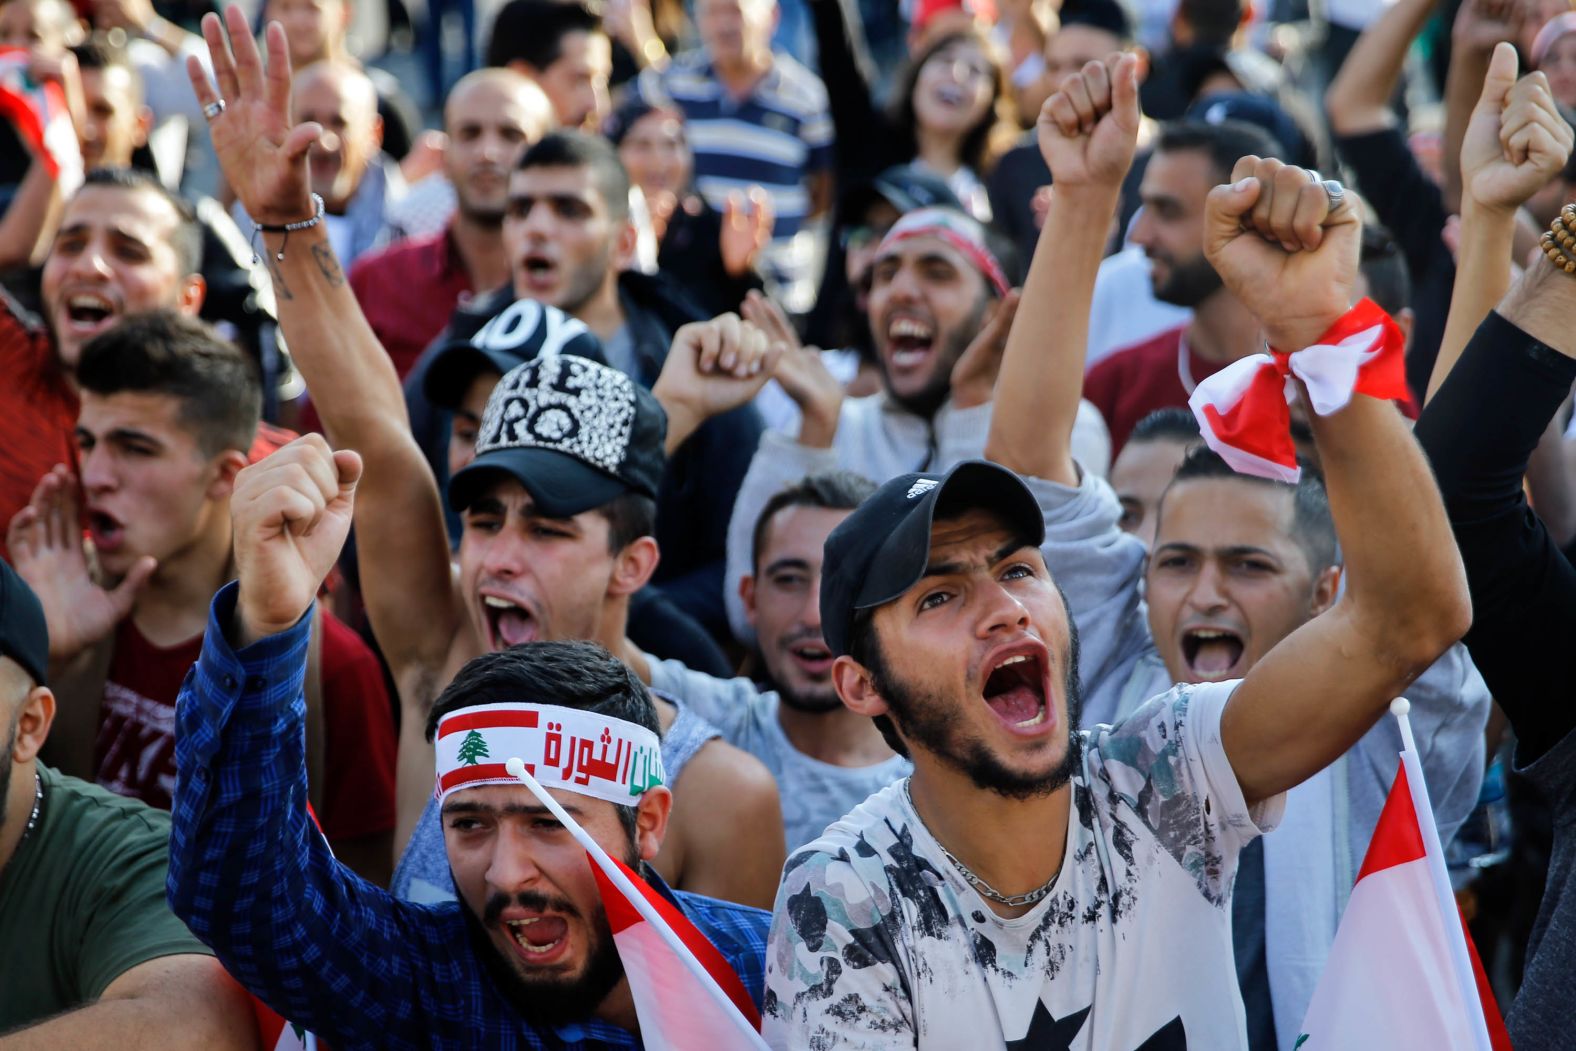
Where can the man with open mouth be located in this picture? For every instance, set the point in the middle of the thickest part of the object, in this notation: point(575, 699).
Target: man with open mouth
point(126, 244)
point(1032, 884)
point(826, 758)
point(525, 959)
point(939, 309)
point(557, 507)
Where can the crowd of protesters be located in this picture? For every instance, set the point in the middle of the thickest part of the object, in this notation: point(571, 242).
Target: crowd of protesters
point(841, 402)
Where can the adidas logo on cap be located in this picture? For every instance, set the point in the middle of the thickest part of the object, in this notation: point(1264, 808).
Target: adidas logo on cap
point(923, 486)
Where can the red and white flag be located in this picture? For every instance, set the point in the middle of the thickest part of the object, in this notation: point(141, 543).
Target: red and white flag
point(1402, 973)
point(1243, 412)
point(41, 117)
point(686, 994)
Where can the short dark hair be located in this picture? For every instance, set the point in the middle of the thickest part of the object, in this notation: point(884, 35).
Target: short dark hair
point(567, 148)
point(1312, 527)
point(1111, 16)
point(579, 675)
point(101, 51)
point(630, 516)
point(533, 31)
point(1171, 424)
point(1225, 143)
point(1383, 266)
point(187, 239)
point(165, 352)
point(835, 490)
point(1214, 22)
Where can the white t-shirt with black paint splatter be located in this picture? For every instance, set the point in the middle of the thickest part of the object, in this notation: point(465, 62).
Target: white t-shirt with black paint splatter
point(877, 941)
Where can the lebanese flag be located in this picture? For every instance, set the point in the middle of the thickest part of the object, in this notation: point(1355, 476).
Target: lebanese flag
point(1402, 973)
point(678, 1008)
point(1243, 410)
point(41, 117)
point(687, 996)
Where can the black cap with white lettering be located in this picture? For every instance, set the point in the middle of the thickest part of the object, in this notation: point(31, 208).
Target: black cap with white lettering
point(575, 433)
point(523, 330)
point(880, 551)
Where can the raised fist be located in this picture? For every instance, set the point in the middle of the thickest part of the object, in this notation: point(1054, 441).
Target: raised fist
point(291, 512)
point(1286, 245)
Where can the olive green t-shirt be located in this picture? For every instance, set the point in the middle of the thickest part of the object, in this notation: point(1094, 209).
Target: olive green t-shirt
point(82, 900)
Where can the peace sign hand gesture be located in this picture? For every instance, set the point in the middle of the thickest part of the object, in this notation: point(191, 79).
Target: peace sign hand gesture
point(262, 156)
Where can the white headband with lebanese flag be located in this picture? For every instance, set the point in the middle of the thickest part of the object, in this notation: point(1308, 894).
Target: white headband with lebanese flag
point(1243, 410)
point(578, 751)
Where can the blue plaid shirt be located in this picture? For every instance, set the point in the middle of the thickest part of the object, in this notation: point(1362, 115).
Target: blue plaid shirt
point(252, 878)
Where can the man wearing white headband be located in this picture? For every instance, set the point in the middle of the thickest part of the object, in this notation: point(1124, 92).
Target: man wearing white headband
point(940, 307)
point(525, 958)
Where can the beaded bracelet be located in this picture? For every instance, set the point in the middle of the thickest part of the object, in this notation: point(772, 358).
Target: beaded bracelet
point(1559, 239)
point(286, 229)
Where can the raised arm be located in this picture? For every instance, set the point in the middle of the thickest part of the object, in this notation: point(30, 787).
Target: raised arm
point(1515, 143)
point(400, 538)
point(1358, 99)
point(1087, 131)
point(1479, 431)
point(1479, 27)
point(1323, 686)
point(249, 874)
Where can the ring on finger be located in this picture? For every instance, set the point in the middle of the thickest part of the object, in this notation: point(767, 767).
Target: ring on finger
point(213, 109)
point(1335, 192)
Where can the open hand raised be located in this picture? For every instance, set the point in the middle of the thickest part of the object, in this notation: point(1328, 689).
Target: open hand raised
point(262, 155)
point(45, 541)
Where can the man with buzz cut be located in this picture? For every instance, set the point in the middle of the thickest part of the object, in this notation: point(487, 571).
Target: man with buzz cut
point(1033, 885)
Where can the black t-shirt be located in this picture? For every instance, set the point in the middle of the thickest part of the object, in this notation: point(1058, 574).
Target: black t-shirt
point(1412, 207)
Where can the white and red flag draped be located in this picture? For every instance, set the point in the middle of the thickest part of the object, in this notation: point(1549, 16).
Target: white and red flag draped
point(40, 116)
point(1402, 974)
point(1243, 411)
point(686, 994)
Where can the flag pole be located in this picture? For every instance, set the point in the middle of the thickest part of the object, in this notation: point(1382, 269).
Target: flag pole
point(516, 768)
point(1434, 852)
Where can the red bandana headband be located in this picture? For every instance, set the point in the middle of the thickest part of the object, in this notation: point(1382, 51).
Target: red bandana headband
point(1243, 409)
point(957, 230)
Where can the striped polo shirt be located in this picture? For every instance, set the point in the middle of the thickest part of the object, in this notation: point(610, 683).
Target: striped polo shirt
point(775, 138)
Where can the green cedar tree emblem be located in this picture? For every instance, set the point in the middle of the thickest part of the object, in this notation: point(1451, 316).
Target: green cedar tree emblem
point(474, 747)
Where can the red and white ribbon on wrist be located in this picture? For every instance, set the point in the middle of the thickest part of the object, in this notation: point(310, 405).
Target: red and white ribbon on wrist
point(1243, 409)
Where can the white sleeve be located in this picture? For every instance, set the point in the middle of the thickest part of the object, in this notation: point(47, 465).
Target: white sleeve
point(960, 435)
point(1168, 763)
point(826, 915)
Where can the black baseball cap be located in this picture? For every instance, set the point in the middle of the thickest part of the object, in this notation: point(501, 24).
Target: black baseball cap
point(881, 550)
point(523, 330)
point(576, 433)
point(906, 187)
point(24, 635)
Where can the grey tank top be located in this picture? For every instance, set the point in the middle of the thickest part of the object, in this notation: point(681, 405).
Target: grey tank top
point(423, 876)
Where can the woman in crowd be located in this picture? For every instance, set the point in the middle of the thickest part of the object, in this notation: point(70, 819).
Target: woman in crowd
point(709, 253)
point(951, 110)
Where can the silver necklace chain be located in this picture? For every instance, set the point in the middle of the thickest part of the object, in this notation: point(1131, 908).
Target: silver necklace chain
point(985, 889)
point(38, 801)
